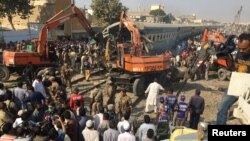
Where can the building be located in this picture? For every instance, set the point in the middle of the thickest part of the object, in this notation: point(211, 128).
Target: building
point(72, 27)
point(187, 18)
point(139, 15)
point(43, 10)
point(198, 21)
point(157, 6)
point(144, 16)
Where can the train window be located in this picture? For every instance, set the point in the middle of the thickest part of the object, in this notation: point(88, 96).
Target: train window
point(153, 38)
point(149, 37)
point(168, 36)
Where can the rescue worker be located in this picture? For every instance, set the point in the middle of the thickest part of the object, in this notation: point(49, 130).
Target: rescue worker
point(66, 57)
point(72, 56)
point(83, 58)
point(152, 93)
point(110, 92)
point(124, 104)
point(182, 112)
point(242, 62)
point(54, 85)
point(107, 50)
point(162, 110)
point(78, 62)
point(87, 67)
point(60, 57)
point(161, 105)
point(171, 101)
point(66, 75)
point(96, 97)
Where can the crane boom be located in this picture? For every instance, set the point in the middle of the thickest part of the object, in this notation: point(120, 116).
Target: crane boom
point(237, 16)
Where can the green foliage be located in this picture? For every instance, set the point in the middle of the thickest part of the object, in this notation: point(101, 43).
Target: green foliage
point(157, 12)
point(162, 16)
point(168, 18)
point(8, 8)
point(107, 11)
point(248, 28)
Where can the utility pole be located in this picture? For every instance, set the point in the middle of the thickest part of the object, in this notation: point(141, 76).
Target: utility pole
point(1, 37)
point(28, 20)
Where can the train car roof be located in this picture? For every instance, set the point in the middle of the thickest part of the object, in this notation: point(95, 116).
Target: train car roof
point(143, 25)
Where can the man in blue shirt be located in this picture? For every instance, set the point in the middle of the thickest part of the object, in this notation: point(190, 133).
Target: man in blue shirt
point(171, 101)
point(33, 96)
point(182, 109)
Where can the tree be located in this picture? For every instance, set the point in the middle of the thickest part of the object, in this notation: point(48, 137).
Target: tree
point(107, 11)
point(157, 12)
point(162, 16)
point(9, 8)
point(168, 18)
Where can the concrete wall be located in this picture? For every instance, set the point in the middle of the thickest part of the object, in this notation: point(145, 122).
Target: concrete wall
point(41, 13)
point(18, 35)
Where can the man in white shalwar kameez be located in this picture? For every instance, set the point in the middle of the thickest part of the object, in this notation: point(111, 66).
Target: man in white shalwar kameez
point(153, 91)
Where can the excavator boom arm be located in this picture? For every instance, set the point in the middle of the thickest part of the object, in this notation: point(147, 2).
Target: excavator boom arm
point(135, 33)
point(216, 37)
point(58, 20)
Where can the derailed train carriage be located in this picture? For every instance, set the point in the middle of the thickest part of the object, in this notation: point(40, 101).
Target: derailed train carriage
point(136, 69)
point(166, 36)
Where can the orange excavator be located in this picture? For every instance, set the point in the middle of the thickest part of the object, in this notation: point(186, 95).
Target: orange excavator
point(216, 45)
point(224, 62)
point(13, 60)
point(216, 37)
point(137, 67)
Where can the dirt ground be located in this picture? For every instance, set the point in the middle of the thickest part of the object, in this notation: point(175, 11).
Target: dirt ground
point(211, 90)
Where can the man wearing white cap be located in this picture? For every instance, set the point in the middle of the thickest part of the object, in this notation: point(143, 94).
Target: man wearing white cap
point(126, 136)
point(89, 134)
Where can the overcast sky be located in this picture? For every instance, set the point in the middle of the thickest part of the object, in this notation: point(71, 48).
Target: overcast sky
point(220, 10)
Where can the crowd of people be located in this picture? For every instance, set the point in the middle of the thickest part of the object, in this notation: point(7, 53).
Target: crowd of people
point(44, 110)
point(47, 112)
point(169, 107)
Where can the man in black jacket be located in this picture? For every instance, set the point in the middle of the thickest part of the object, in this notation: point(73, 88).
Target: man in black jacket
point(196, 106)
